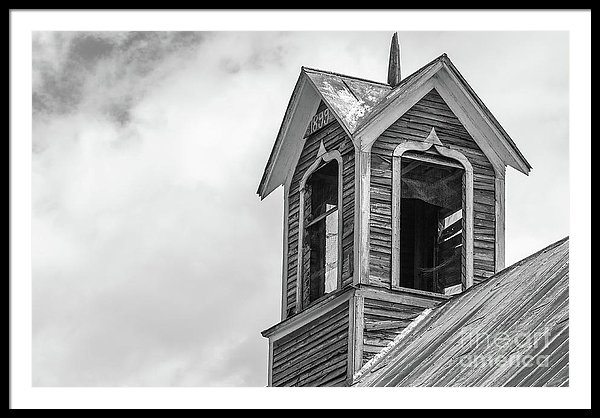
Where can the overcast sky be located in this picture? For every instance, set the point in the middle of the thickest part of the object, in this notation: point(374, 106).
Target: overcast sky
point(154, 261)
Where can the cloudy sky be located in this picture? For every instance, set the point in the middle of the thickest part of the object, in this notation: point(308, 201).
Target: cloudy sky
point(154, 262)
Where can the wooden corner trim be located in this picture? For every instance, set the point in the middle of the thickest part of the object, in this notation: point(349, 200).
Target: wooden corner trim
point(358, 332)
point(291, 324)
point(365, 216)
point(285, 261)
point(500, 206)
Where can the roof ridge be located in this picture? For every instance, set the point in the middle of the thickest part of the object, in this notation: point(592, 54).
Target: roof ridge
point(374, 362)
point(433, 61)
point(387, 100)
point(347, 76)
point(438, 58)
point(529, 257)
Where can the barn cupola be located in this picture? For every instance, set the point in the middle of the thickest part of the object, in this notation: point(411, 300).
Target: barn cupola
point(393, 203)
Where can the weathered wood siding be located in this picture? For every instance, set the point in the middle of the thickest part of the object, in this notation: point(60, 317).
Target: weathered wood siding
point(316, 354)
point(383, 321)
point(334, 138)
point(415, 124)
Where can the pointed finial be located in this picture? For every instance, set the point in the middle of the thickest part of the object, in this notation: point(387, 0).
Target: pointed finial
point(394, 75)
point(322, 149)
point(432, 138)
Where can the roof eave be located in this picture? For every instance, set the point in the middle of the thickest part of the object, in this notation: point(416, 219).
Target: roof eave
point(521, 162)
point(331, 108)
point(266, 186)
point(263, 189)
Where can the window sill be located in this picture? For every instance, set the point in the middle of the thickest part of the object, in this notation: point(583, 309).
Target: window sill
point(421, 292)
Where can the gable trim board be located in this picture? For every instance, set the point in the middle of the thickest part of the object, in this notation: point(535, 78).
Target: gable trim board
point(288, 145)
point(440, 74)
point(464, 103)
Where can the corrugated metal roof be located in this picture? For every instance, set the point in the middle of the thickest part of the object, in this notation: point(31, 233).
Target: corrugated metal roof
point(512, 330)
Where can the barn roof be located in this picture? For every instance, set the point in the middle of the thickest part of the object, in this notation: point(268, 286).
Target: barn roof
point(361, 98)
point(512, 330)
point(358, 105)
point(351, 99)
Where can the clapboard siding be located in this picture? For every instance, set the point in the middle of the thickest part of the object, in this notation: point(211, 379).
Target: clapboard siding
point(334, 138)
point(415, 124)
point(314, 355)
point(383, 321)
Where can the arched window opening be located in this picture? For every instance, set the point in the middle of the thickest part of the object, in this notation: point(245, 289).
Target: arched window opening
point(321, 233)
point(431, 225)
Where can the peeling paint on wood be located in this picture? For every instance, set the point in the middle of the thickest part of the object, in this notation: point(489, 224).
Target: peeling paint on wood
point(351, 99)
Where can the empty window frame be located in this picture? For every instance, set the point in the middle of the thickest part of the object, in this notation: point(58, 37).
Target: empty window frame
point(320, 249)
point(431, 225)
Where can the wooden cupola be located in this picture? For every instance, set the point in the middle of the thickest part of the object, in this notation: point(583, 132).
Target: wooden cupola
point(393, 202)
